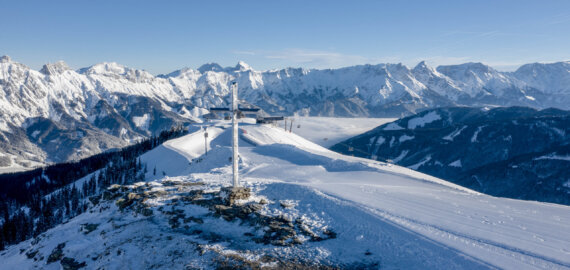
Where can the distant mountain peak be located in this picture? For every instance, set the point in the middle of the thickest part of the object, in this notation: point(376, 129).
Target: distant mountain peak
point(105, 68)
point(54, 68)
point(210, 67)
point(5, 59)
point(187, 73)
point(478, 66)
point(423, 66)
point(562, 64)
point(243, 66)
point(115, 70)
point(465, 66)
point(469, 70)
point(110, 96)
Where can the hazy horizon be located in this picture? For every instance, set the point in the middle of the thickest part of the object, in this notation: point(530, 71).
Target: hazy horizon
point(39, 67)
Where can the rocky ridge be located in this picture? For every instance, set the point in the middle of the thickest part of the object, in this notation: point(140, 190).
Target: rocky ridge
point(58, 114)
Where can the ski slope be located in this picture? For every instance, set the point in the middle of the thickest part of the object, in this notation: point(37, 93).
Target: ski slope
point(381, 213)
point(328, 131)
point(504, 233)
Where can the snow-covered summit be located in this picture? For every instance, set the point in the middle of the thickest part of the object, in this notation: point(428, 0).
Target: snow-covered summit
point(553, 78)
point(54, 68)
point(304, 204)
point(423, 66)
point(437, 81)
point(105, 68)
point(243, 66)
point(117, 72)
point(475, 67)
point(210, 67)
point(5, 59)
point(184, 73)
point(478, 79)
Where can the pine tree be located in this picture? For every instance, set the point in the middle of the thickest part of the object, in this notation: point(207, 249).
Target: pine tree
point(85, 189)
point(1, 239)
point(31, 187)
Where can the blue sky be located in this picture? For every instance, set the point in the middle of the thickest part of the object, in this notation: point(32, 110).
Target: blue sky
point(162, 36)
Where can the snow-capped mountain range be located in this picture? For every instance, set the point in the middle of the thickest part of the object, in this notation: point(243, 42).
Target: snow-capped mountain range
point(58, 114)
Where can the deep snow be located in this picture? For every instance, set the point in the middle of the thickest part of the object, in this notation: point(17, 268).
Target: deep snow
point(382, 213)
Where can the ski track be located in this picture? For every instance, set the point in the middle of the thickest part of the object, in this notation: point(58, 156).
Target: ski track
point(522, 258)
point(435, 232)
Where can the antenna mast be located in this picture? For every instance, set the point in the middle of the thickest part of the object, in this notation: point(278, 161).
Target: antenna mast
point(235, 134)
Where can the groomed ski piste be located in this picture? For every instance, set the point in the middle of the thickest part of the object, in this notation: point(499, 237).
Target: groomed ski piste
point(383, 216)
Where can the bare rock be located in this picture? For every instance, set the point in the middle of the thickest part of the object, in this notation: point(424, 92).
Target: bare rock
point(71, 264)
point(56, 253)
point(89, 227)
point(232, 194)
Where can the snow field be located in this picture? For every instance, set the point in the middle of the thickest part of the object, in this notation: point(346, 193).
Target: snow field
point(528, 234)
point(383, 214)
point(334, 130)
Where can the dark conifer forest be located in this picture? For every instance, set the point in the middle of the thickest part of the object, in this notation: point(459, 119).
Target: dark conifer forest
point(34, 201)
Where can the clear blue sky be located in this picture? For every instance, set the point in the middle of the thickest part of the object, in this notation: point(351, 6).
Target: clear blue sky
point(162, 36)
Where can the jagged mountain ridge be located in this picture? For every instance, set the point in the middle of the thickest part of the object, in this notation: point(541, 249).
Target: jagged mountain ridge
point(58, 114)
point(514, 152)
point(108, 105)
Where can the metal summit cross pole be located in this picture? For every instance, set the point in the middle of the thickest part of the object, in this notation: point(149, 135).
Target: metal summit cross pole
point(236, 192)
point(234, 111)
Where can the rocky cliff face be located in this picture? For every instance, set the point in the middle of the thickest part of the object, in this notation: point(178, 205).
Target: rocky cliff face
point(58, 114)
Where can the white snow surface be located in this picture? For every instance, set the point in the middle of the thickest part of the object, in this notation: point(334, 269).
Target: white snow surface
point(407, 219)
point(142, 121)
point(393, 126)
point(554, 156)
point(423, 120)
point(476, 133)
point(401, 156)
point(419, 164)
point(56, 91)
point(454, 134)
point(404, 138)
point(456, 163)
point(29, 93)
point(501, 232)
point(328, 131)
